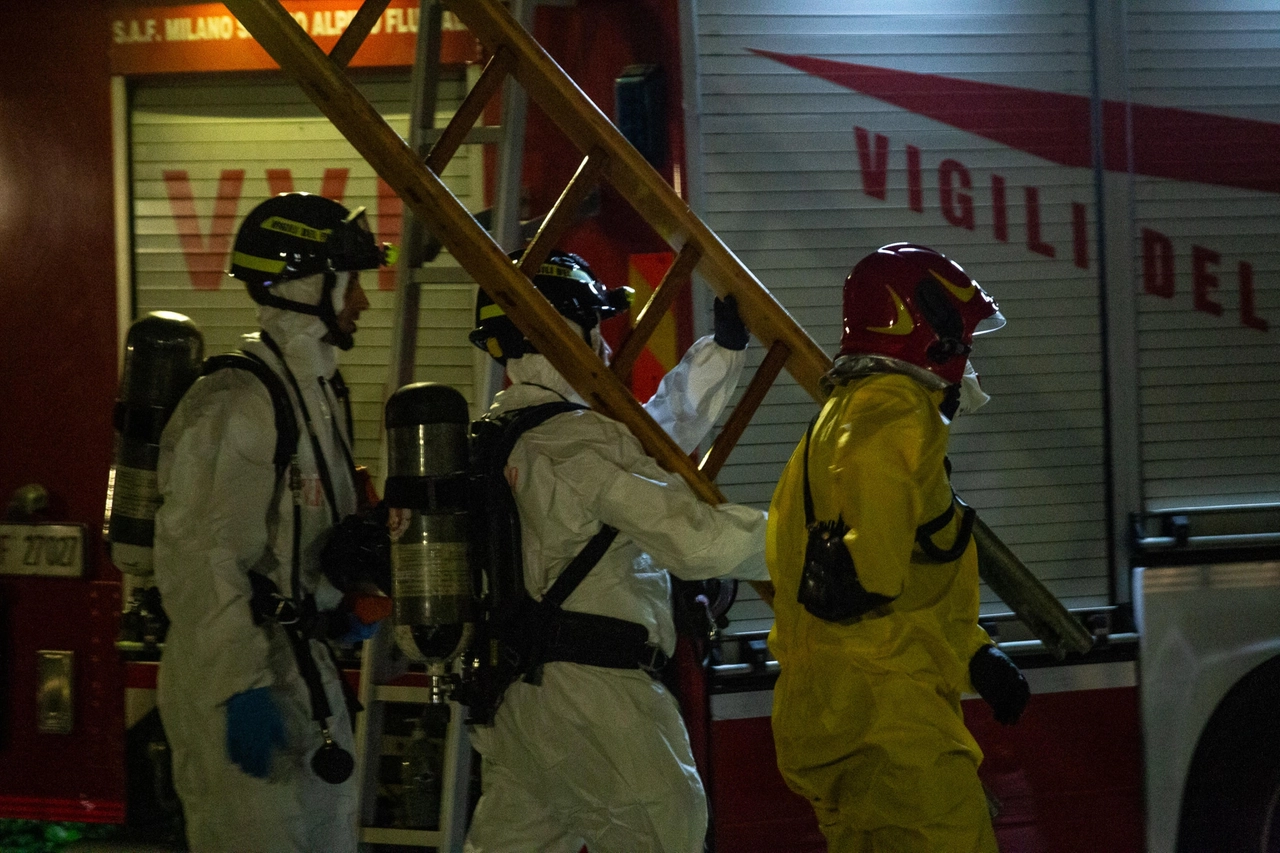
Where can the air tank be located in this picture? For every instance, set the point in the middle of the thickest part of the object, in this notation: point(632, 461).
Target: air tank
point(427, 496)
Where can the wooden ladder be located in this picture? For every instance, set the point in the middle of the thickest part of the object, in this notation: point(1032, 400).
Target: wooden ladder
point(608, 158)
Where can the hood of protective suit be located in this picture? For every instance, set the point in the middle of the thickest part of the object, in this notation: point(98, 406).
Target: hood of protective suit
point(850, 367)
point(300, 335)
point(535, 369)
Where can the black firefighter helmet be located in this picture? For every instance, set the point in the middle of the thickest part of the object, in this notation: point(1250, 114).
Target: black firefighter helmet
point(296, 235)
point(569, 285)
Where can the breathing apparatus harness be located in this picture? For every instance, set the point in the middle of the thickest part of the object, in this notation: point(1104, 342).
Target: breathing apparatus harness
point(829, 585)
point(521, 633)
point(295, 613)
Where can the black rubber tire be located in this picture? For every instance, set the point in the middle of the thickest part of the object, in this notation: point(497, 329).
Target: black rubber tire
point(1231, 801)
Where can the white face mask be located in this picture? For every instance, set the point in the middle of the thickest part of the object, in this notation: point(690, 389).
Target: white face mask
point(600, 345)
point(972, 397)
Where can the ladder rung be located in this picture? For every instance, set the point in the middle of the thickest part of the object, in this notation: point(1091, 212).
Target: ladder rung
point(563, 213)
point(654, 310)
point(402, 693)
point(406, 837)
point(436, 206)
point(485, 134)
point(746, 408)
point(357, 30)
point(648, 194)
point(469, 110)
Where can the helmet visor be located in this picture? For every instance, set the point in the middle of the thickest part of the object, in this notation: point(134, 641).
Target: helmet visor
point(351, 245)
point(990, 324)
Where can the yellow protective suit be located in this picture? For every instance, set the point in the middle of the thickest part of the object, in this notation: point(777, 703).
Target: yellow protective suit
point(866, 716)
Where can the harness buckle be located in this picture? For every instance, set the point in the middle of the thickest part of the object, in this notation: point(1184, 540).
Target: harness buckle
point(653, 660)
point(285, 613)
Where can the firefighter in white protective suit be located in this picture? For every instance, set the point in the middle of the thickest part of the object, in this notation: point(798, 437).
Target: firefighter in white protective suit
point(241, 692)
point(597, 753)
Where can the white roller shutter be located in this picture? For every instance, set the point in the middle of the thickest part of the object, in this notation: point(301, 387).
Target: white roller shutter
point(204, 130)
point(776, 172)
point(1210, 382)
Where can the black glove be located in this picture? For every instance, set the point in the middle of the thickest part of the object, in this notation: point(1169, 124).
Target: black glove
point(730, 332)
point(358, 552)
point(999, 681)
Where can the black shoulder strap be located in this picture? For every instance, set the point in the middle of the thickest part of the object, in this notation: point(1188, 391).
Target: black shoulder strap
point(926, 531)
point(286, 422)
point(808, 496)
point(581, 565)
point(516, 424)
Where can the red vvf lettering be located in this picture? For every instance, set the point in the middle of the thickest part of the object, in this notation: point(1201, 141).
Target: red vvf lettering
point(206, 258)
point(957, 207)
point(999, 212)
point(1203, 281)
point(390, 224)
point(332, 186)
point(875, 171)
point(1157, 263)
point(1034, 243)
point(915, 184)
point(1247, 317)
point(1080, 234)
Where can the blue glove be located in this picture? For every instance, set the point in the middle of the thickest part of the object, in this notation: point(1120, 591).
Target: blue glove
point(357, 631)
point(254, 730)
point(730, 331)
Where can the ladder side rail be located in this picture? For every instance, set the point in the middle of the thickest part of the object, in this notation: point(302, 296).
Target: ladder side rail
point(424, 82)
point(563, 214)
point(279, 34)
point(673, 282)
point(358, 29)
point(369, 723)
point(645, 190)
point(506, 227)
point(469, 112)
point(455, 778)
point(745, 410)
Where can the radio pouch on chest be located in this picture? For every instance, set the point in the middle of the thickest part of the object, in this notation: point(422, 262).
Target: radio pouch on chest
point(829, 585)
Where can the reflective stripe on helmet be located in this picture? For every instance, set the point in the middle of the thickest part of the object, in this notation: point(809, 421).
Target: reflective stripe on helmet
point(566, 272)
point(296, 229)
point(253, 262)
point(962, 292)
point(488, 312)
point(902, 324)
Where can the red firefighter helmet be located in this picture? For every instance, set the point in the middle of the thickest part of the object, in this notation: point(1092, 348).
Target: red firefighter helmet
point(913, 303)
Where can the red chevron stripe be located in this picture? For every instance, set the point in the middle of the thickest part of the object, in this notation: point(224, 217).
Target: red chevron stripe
point(1167, 142)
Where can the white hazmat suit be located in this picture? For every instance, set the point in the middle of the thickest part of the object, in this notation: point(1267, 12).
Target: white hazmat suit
point(596, 755)
point(225, 513)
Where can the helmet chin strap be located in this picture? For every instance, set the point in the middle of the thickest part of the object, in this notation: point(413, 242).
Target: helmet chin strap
point(324, 310)
point(340, 339)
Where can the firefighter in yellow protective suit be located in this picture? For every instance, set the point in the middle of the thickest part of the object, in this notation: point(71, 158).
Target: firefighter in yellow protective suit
point(876, 575)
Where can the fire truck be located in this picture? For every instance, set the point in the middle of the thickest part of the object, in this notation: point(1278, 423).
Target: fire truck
point(1108, 172)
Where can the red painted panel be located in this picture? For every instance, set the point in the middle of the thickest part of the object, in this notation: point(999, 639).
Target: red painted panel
point(58, 382)
point(619, 33)
point(1068, 777)
point(752, 809)
point(1069, 774)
